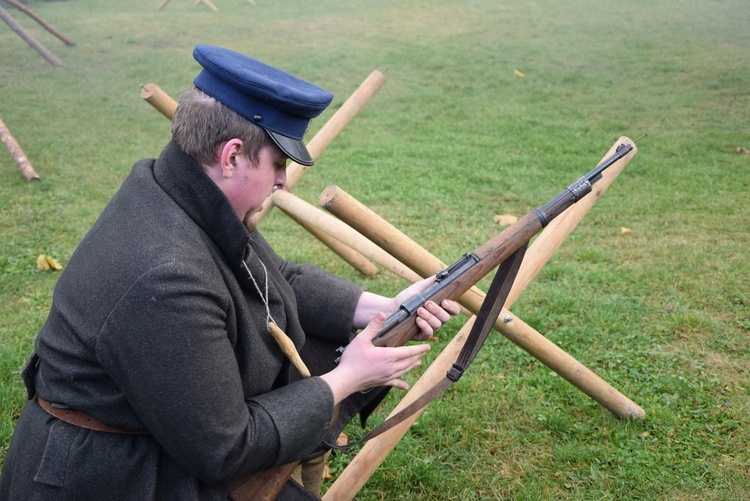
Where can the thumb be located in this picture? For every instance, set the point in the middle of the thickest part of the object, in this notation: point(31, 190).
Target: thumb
point(373, 328)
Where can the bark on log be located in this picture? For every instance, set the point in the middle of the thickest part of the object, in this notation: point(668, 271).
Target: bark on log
point(17, 153)
point(33, 15)
point(29, 38)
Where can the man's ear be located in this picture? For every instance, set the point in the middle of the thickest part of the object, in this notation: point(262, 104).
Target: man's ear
point(228, 156)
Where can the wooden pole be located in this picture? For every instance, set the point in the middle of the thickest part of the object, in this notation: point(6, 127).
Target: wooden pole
point(391, 240)
point(372, 454)
point(421, 261)
point(339, 120)
point(159, 99)
point(17, 153)
point(33, 15)
point(296, 208)
point(209, 4)
point(330, 130)
point(29, 38)
point(311, 217)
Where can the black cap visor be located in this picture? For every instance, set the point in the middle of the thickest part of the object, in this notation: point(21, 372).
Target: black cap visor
point(293, 148)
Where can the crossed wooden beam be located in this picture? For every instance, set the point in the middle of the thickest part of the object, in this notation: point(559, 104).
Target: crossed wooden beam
point(28, 37)
point(359, 235)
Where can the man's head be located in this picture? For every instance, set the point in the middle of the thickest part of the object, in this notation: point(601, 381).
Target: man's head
point(265, 97)
point(201, 124)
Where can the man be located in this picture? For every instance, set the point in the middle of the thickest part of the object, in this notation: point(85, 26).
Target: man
point(155, 375)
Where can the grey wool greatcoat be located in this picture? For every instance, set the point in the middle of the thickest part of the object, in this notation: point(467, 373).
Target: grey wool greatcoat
point(156, 324)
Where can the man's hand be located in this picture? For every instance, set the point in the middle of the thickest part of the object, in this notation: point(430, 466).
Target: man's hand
point(429, 319)
point(364, 366)
point(431, 316)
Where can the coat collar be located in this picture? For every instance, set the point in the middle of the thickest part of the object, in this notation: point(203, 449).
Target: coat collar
point(185, 182)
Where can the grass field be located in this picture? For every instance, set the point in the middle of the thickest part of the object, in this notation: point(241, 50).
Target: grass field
point(455, 137)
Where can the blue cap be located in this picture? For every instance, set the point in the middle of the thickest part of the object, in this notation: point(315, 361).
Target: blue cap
point(279, 102)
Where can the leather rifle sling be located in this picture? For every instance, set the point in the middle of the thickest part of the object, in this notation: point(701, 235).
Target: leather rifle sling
point(491, 306)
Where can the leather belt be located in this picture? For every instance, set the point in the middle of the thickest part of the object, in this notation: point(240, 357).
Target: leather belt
point(83, 420)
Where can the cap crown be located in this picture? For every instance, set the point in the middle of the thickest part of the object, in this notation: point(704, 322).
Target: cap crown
point(267, 96)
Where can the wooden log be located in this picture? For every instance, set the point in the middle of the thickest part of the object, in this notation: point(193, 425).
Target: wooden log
point(311, 217)
point(159, 99)
point(29, 38)
point(330, 130)
point(421, 261)
point(390, 239)
point(339, 120)
point(296, 208)
point(209, 4)
point(372, 454)
point(44, 24)
point(19, 157)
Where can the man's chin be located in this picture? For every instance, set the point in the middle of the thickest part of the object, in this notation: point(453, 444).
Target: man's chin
point(250, 222)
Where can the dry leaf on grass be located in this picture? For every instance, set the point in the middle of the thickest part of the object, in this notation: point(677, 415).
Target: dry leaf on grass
point(505, 219)
point(624, 230)
point(47, 263)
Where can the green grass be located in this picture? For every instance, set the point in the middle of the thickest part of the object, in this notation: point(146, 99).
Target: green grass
point(451, 140)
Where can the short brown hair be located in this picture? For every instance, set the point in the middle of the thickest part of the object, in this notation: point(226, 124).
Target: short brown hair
point(201, 123)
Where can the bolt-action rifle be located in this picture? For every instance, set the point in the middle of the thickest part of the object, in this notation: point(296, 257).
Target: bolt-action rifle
point(460, 276)
point(505, 251)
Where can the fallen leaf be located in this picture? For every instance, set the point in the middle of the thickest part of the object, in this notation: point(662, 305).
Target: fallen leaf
point(41, 262)
point(518, 73)
point(54, 263)
point(740, 149)
point(624, 230)
point(505, 219)
point(47, 263)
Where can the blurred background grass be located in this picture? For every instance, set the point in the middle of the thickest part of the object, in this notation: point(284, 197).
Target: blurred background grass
point(454, 138)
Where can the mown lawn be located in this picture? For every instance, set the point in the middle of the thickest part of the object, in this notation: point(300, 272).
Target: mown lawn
point(490, 107)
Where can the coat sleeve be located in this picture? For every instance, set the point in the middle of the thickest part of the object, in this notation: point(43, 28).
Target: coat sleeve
point(166, 345)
